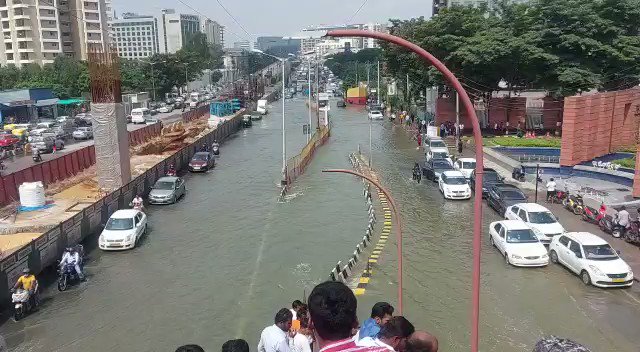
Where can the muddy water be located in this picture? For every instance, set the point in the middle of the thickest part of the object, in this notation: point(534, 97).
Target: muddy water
point(221, 262)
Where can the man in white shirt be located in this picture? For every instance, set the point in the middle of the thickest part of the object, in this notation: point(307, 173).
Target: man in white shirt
point(392, 335)
point(275, 338)
point(551, 189)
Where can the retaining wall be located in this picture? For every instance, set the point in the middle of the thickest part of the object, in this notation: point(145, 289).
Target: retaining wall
point(44, 250)
point(71, 164)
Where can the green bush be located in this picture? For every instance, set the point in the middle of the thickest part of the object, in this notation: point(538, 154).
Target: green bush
point(627, 162)
point(512, 141)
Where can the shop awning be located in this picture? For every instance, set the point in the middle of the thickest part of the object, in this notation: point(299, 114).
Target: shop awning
point(47, 102)
point(71, 101)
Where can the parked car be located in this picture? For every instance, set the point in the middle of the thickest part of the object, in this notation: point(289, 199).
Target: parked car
point(140, 115)
point(543, 223)
point(453, 185)
point(517, 243)
point(376, 115)
point(7, 140)
point(167, 190)
point(466, 166)
point(165, 108)
point(502, 196)
point(45, 144)
point(246, 121)
point(490, 177)
point(201, 161)
point(83, 133)
point(439, 153)
point(434, 142)
point(591, 258)
point(434, 167)
point(123, 230)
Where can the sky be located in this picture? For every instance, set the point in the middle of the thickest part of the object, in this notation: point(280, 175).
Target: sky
point(281, 17)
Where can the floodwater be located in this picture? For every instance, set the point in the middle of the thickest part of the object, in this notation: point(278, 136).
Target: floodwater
point(219, 264)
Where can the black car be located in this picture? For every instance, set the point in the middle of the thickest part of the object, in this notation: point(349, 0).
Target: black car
point(502, 196)
point(433, 168)
point(490, 177)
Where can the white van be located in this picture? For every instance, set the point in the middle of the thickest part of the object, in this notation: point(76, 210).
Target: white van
point(140, 115)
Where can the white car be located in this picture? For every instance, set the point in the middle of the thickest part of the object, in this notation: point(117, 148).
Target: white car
point(83, 133)
point(123, 230)
point(466, 166)
point(517, 243)
point(439, 153)
point(540, 219)
point(375, 115)
point(453, 185)
point(165, 108)
point(592, 258)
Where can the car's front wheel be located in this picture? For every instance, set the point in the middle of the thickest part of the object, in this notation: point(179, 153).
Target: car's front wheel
point(554, 256)
point(174, 199)
point(491, 241)
point(586, 279)
point(506, 258)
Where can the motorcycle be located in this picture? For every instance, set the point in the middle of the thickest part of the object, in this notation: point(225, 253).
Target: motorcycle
point(66, 276)
point(215, 149)
point(618, 230)
point(574, 203)
point(558, 197)
point(171, 172)
point(22, 304)
point(592, 215)
point(632, 235)
point(37, 158)
point(517, 174)
point(607, 223)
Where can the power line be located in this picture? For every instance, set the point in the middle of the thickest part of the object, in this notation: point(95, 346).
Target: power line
point(357, 11)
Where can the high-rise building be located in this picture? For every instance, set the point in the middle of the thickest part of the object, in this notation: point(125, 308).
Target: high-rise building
point(111, 15)
point(273, 42)
point(177, 29)
point(242, 44)
point(88, 22)
point(136, 36)
point(370, 43)
point(31, 32)
point(309, 44)
point(214, 32)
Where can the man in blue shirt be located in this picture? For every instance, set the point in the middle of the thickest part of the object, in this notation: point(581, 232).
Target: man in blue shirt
point(380, 314)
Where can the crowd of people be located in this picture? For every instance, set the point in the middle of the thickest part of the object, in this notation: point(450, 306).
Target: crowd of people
point(328, 323)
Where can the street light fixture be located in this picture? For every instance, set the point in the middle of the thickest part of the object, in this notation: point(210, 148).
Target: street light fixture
point(284, 148)
point(477, 134)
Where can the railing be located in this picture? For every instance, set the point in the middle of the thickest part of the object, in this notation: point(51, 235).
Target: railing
point(297, 164)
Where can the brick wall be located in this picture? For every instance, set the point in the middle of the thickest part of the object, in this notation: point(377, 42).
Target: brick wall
point(598, 124)
point(500, 110)
point(551, 112)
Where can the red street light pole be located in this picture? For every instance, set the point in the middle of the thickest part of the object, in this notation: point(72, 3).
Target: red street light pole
point(477, 136)
point(396, 214)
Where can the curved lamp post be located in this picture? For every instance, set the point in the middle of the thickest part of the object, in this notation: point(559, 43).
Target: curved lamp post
point(396, 214)
point(477, 135)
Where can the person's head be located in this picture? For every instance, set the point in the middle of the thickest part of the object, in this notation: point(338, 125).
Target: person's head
point(623, 208)
point(296, 304)
point(283, 319)
point(26, 271)
point(69, 249)
point(551, 179)
point(238, 345)
point(421, 341)
point(381, 312)
point(395, 332)
point(189, 348)
point(332, 307)
point(555, 344)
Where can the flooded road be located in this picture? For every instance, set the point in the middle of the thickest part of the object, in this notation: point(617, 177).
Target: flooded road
point(219, 264)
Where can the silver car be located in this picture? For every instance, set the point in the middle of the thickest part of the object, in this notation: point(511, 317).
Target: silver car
point(167, 190)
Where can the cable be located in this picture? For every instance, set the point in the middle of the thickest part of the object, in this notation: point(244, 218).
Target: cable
point(357, 11)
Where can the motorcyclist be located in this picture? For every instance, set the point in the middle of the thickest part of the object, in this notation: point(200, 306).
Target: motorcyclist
point(29, 283)
point(623, 217)
point(137, 202)
point(204, 148)
point(36, 155)
point(72, 257)
point(172, 170)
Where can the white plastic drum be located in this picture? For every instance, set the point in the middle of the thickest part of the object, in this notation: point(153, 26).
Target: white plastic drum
point(32, 194)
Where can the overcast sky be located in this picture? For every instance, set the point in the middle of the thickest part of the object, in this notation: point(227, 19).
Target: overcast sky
point(281, 17)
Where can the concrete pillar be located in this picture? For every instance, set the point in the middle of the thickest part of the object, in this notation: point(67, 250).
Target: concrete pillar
point(111, 140)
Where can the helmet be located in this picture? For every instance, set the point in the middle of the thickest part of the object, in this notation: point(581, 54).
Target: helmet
point(69, 249)
point(26, 271)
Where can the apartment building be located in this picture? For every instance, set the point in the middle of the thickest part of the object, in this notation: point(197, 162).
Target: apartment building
point(214, 32)
point(177, 28)
point(87, 20)
point(136, 36)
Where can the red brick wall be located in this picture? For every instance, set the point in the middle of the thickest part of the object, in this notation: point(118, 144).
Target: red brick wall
point(499, 109)
point(551, 112)
point(598, 124)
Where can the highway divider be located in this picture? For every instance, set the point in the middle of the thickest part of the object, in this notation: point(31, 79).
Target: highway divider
point(43, 251)
point(69, 165)
point(297, 164)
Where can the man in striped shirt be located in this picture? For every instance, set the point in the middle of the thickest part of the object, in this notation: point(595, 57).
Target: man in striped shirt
point(332, 306)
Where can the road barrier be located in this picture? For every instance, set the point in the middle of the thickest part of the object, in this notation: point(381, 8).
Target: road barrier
point(44, 250)
point(297, 164)
point(69, 165)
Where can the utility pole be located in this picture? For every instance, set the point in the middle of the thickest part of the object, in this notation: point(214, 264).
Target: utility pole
point(309, 103)
point(378, 86)
point(318, 94)
point(408, 91)
point(457, 120)
point(368, 66)
point(357, 83)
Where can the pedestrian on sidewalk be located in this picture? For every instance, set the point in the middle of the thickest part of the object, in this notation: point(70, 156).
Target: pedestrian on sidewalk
point(53, 148)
